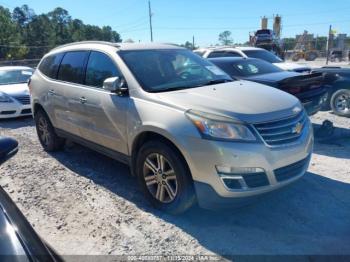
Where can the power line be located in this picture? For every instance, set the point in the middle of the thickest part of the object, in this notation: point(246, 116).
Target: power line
point(25, 46)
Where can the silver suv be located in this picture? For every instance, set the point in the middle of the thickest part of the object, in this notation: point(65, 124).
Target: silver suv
point(189, 132)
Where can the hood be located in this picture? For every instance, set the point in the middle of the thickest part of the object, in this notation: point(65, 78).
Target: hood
point(241, 100)
point(15, 89)
point(291, 66)
point(273, 77)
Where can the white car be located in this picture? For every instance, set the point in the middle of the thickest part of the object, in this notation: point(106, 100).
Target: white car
point(252, 52)
point(14, 92)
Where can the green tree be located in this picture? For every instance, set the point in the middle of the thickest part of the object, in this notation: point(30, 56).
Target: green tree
point(225, 38)
point(23, 34)
point(188, 45)
point(60, 20)
point(8, 34)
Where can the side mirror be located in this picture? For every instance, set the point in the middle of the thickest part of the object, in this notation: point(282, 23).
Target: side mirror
point(116, 85)
point(8, 148)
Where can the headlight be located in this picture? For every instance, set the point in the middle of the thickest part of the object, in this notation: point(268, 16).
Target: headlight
point(219, 127)
point(5, 98)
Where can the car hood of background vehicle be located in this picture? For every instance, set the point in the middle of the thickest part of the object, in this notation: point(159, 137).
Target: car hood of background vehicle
point(15, 89)
point(273, 77)
point(291, 66)
point(241, 100)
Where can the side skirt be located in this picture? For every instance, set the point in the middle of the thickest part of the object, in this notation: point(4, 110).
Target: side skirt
point(101, 149)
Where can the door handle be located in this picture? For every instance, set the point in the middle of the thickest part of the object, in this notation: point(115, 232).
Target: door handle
point(82, 100)
point(51, 92)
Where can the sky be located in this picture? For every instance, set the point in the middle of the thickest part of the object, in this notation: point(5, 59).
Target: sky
point(177, 21)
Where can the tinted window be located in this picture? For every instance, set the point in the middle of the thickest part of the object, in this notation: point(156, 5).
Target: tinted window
point(223, 54)
point(264, 55)
point(99, 68)
point(72, 67)
point(49, 66)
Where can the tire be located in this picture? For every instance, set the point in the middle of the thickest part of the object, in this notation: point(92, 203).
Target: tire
point(295, 57)
point(340, 102)
point(168, 191)
point(311, 56)
point(46, 133)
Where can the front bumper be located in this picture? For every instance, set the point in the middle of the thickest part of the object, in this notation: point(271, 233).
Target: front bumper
point(14, 109)
point(203, 157)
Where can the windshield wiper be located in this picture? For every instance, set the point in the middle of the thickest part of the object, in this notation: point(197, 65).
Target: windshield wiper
point(170, 89)
point(216, 81)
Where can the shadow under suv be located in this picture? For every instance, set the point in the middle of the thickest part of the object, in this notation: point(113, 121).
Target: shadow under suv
point(189, 132)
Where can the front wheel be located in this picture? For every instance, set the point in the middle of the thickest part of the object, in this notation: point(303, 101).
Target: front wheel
point(46, 133)
point(340, 102)
point(164, 177)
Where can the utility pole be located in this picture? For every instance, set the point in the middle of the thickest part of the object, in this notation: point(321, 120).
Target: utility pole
point(193, 43)
point(150, 19)
point(329, 43)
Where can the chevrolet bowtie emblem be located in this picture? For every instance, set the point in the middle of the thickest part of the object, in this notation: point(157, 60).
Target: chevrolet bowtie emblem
point(297, 129)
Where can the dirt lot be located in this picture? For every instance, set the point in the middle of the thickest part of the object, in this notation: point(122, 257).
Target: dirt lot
point(81, 202)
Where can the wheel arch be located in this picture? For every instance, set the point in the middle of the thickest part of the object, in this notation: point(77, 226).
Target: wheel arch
point(149, 135)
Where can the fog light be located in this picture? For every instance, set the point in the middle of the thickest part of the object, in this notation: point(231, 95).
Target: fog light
point(227, 170)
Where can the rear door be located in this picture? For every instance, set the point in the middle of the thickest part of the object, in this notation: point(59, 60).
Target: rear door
point(68, 106)
point(105, 112)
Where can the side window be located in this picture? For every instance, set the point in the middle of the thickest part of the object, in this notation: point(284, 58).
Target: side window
point(232, 54)
point(72, 67)
point(49, 66)
point(223, 54)
point(99, 68)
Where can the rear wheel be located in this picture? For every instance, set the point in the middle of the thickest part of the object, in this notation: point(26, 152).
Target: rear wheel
point(164, 177)
point(46, 132)
point(340, 102)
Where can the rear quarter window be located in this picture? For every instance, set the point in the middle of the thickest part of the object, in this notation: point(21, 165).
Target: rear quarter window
point(49, 66)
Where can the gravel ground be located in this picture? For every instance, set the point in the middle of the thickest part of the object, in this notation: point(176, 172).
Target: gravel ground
point(82, 202)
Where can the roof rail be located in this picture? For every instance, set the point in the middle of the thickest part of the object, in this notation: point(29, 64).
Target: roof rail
point(88, 42)
point(221, 47)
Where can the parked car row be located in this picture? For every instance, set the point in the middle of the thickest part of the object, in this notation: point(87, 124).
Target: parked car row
point(218, 131)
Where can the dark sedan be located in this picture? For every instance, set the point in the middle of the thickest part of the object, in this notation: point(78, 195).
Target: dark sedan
point(309, 88)
point(18, 240)
point(339, 93)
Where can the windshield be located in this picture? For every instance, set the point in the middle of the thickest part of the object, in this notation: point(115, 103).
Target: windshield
point(15, 76)
point(264, 55)
point(253, 67)
point(170, 69)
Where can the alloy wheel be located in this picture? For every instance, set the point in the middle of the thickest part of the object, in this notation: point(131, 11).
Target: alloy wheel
point(43, 129)
point(342, 103)
point(160, 178)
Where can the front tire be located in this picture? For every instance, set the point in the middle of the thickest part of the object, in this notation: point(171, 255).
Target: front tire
point(46, 133)
point(164, 177)
point(340, 102)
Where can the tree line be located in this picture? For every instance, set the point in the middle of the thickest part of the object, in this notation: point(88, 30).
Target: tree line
point(26, 35)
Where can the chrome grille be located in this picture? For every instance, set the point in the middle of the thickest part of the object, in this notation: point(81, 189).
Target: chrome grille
point(283, 131)
point(24, 100)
